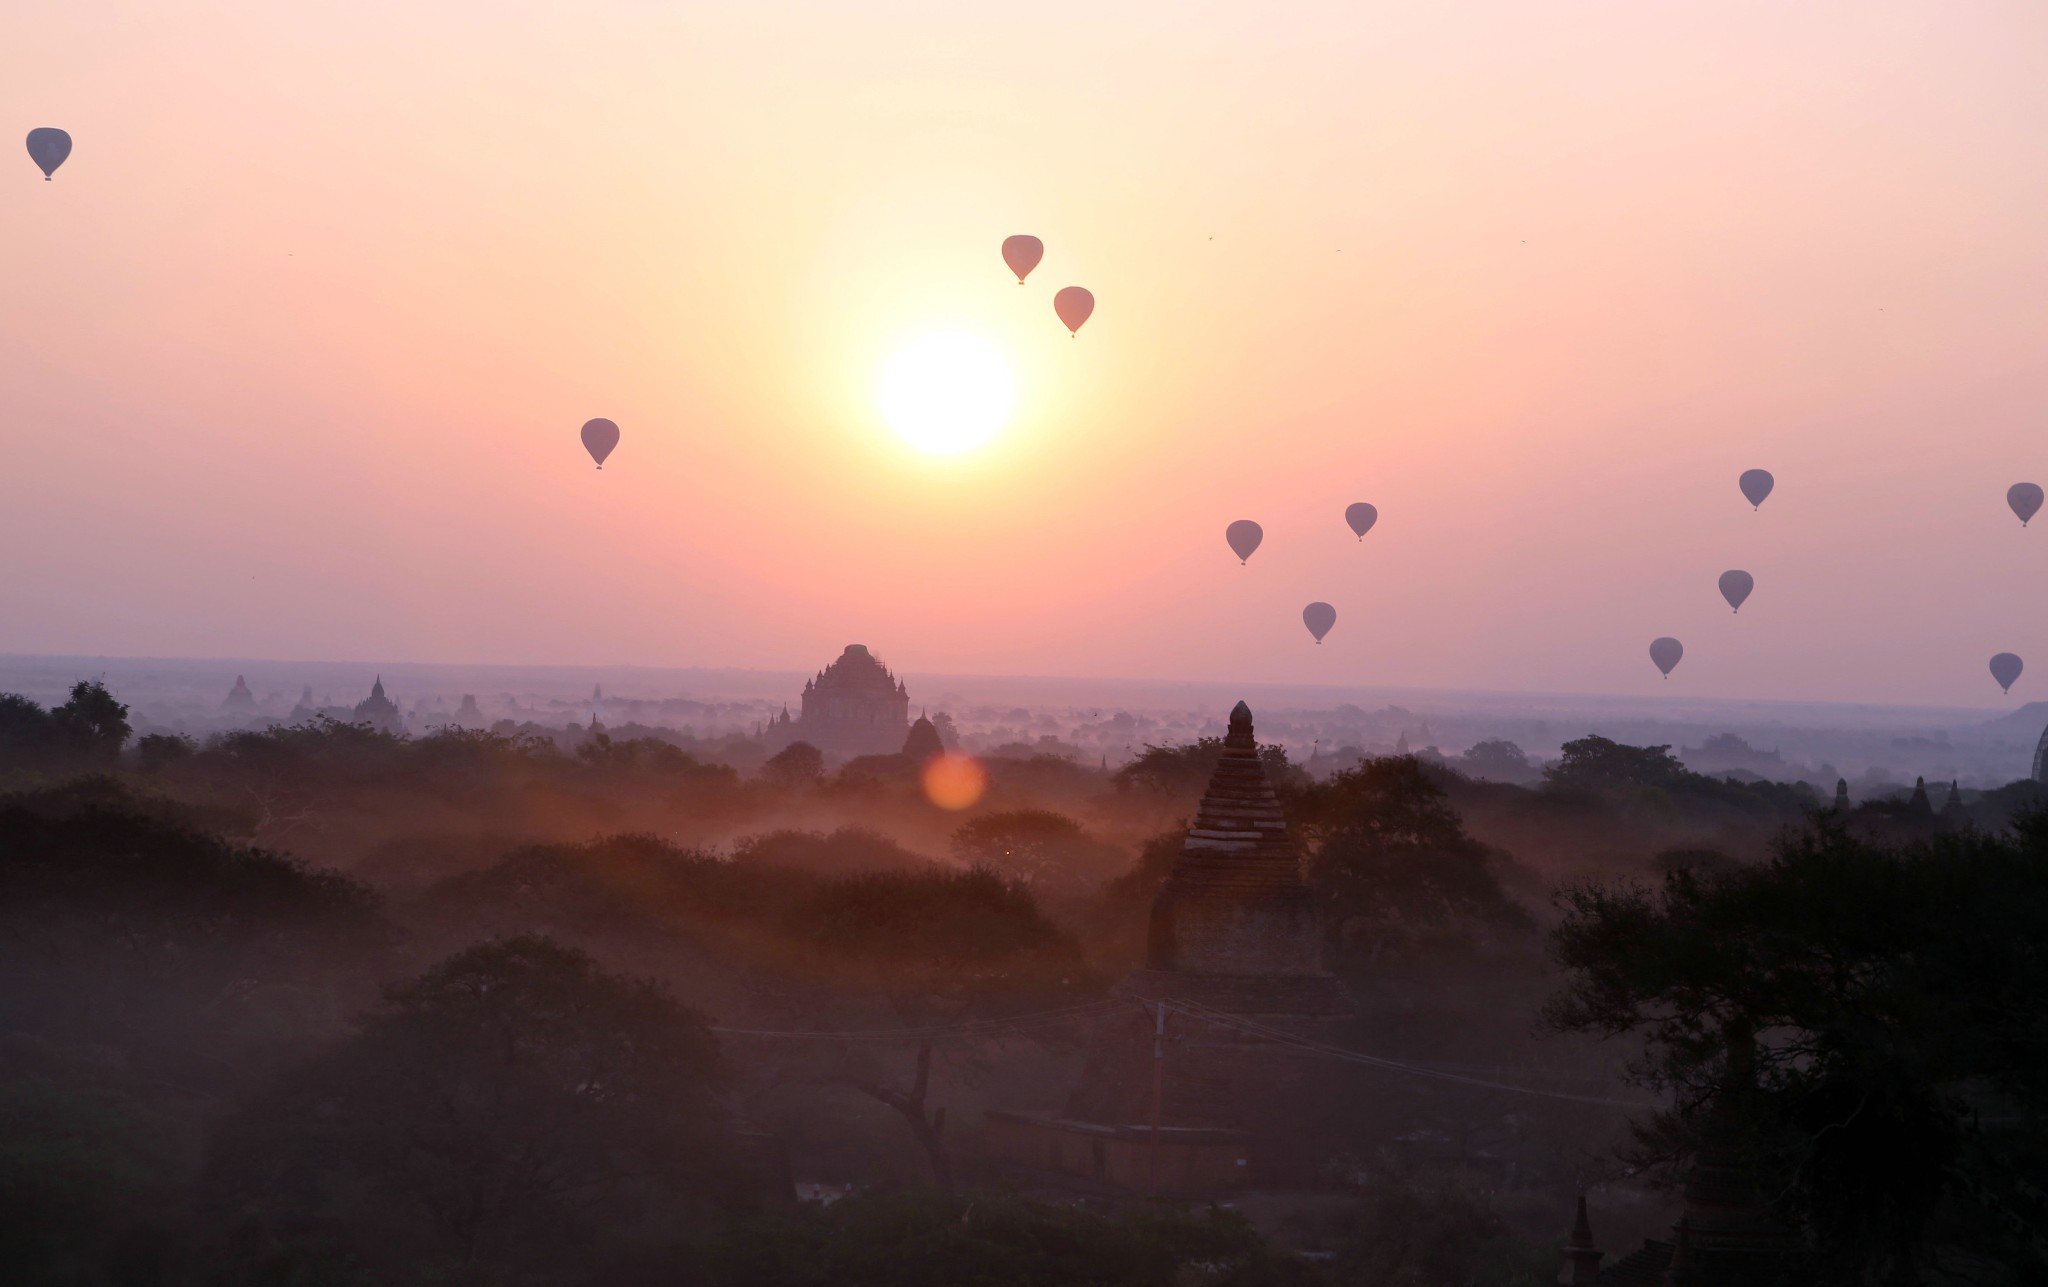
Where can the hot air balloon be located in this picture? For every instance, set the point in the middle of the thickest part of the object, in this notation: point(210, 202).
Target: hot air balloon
point(1022, 254)
point(1756, 484)
point(599, 437)
point(2025, 499)
point(1666, 651)
point(1319, 617)
point(1361, 517)
point(2006, 668)
point(1735, 587)
point(1244, 537)
point(48, 147)
point(1073, 304)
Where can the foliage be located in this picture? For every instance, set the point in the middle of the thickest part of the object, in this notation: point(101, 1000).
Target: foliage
point(492, 1114)
point(1185, 770)
point(1497, 760)
point(845, 850)
point(1899, 1001)
point(1037, 846)
point(1393, 865)
point(797, 765)
point(92, 722)
point(1424, 1235)
point(986, 1240)
point(156, 750)
point(1599, 762)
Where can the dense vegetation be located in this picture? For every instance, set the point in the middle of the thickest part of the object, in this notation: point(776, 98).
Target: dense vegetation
point(322, 1005)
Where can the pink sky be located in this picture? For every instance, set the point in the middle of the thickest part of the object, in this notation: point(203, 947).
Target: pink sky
point(294, 350)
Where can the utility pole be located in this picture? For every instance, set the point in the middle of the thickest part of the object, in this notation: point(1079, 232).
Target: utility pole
point(1158, 1091)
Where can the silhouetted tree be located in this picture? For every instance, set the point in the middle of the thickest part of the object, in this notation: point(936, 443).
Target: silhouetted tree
point(156, 750)
point(1185, 770)
point(1497, 760)
point(1034, 845)
point(797, 765)
point(490, 1117)
point(1393, 865)
point(941, 1240)
point(947, 947)
point(1899, 1001)
point(1600, 762)
point(92, 722)
point(26, 729)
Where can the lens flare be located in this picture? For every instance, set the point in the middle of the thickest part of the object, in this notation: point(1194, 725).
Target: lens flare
point(954, 781)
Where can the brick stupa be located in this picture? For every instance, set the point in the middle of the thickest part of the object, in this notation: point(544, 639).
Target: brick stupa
point(1233, 945)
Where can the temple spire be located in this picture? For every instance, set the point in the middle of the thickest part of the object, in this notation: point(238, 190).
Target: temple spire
point(1582, 1258)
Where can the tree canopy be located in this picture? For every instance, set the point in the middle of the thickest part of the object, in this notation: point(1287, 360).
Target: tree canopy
point(1899, 1004)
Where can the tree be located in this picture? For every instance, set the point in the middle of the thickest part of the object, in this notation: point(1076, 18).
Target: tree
point(1870, 1023)
point(1393, 865)
point(1496, 760)
point(492, 1114)
point(26, 729)
point(940, 1240)
point(946, 947)
point(1185, 770)
point(156, 750)
point(1598, 762)
point(92, 722)
point(797, 765)
point(1037, 846)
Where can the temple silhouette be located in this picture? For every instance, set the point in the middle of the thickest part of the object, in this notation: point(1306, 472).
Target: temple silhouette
point(1194, 1088)
point(854, 706)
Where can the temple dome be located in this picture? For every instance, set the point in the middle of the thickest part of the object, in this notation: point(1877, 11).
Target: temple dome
point(855, 705)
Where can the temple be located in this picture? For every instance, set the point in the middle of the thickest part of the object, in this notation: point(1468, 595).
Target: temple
point(239, 698)
point(1192, 1090)
point(379, 711)
point(854, 706)
point(923, 741)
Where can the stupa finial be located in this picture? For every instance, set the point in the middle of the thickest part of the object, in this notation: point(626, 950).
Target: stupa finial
point(1240, 727)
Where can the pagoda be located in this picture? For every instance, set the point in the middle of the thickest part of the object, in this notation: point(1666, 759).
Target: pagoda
point(1195, 1086)
point(854, 706)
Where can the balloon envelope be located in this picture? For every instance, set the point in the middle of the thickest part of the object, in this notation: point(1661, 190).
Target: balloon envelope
point(1755, 484)
point(599, 437)
point(1735, 587)
point(1022, 255)
point(2025, 499)
point(1319, 617)
point(1244, 537)
point(1361, 517)
point(2005, 668)
point(48, 147)
point(1666, 651)
point(1073, 304)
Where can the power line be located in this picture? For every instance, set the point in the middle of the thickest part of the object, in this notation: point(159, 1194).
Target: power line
point(1312, 1046)
point(977, 1027)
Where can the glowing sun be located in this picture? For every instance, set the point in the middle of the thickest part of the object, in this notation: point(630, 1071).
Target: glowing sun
point(947, 393)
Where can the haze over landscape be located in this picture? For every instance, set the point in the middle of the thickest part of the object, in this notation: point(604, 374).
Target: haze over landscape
point(799, 644)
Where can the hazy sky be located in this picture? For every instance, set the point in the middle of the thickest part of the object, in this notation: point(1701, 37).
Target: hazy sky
point(294, 350)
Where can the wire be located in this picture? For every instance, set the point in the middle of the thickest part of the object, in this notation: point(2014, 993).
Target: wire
point(1039, 1019)
point(1205, 1014)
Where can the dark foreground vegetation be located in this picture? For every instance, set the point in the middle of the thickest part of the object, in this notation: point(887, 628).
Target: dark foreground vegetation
point(322, 1006)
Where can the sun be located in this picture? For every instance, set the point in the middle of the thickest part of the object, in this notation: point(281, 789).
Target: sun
point(947, 392)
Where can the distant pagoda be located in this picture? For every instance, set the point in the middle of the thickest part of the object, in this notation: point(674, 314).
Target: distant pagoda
point(379, 711)
point(239, 699)
point(854, 706)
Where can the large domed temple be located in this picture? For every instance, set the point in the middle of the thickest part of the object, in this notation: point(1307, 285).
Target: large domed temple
point(1191, 1089)
point(853, 705)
